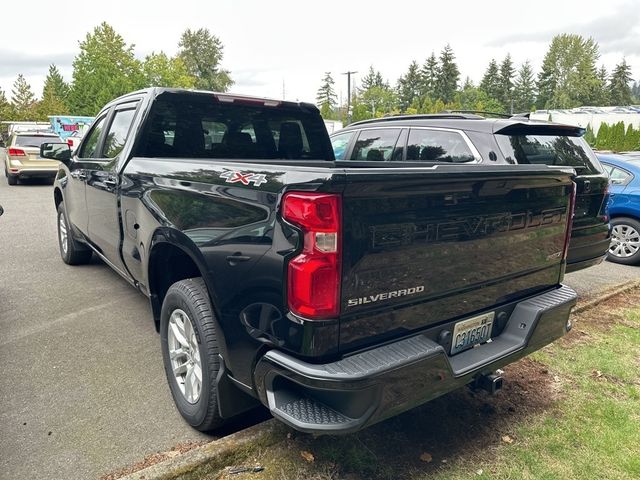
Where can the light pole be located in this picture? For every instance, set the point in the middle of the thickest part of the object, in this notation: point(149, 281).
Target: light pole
point(348, 74)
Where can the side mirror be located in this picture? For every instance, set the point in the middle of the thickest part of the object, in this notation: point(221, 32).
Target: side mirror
point(56, 151)
point(1, 142)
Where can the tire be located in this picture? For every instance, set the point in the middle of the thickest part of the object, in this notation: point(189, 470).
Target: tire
point(71, 251)
point(625, 241)
point(190, 298)
point(12, 179)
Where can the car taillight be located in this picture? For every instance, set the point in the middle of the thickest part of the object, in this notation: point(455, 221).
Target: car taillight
point(570, 214)
point(313, 276)
point(17, 152)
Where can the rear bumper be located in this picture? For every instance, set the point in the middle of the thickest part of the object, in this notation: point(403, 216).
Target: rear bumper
point(33, 172)
point(588, 247)
point(367, 387)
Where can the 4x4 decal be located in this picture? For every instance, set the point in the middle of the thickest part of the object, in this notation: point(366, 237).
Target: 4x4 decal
point(245, 178)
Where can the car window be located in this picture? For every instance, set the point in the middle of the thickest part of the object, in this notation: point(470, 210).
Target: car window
point(34, 140)
point(557, 150)
point(618, 176)
point(90, 143)
point(197, 126)
point(118, 132)
point(375, 145)
point(340, 143)
point(426, 145)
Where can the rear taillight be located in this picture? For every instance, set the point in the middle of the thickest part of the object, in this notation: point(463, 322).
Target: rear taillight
point(313, 276)
point(570, 214)
point(16, 152)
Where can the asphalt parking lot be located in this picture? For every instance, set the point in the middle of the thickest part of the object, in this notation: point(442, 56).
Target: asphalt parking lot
point(84, 392)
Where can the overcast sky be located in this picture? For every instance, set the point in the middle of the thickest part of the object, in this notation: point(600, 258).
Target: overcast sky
point(295, 42)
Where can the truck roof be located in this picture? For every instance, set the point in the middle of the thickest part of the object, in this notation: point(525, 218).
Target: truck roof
point(220, 96)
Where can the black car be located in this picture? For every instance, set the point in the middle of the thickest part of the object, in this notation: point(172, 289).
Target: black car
point(463, 138)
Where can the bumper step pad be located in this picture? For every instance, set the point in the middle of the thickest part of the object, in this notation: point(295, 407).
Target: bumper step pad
point(312, 412)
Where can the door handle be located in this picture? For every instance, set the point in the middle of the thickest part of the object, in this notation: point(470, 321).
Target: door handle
point(237, 258)
point(79, 175)
point(109, 182)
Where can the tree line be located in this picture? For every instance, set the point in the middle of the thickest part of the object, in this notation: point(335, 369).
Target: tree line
point(569, 77)
point(106, 67)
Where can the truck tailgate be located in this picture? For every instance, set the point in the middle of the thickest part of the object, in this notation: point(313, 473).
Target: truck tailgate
point(426, 245)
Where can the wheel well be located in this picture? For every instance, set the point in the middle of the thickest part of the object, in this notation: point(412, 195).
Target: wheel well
point(57, 197)
point(168, 264)
point(623, 215)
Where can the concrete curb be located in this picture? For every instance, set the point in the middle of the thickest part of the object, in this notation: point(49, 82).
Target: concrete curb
point(211, 457)
point(218, 454)
point(606, 295)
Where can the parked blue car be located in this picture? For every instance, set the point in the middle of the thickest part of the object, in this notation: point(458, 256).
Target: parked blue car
point(624, 206)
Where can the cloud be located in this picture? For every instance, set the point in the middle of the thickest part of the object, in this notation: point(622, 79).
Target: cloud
point(616, 32)
point(12, 63)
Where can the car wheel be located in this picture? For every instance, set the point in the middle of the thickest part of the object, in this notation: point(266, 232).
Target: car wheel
point(71, 251)
point(625, 241)
point(190, 352)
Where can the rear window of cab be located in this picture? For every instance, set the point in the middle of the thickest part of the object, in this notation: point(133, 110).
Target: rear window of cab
point(558, 150)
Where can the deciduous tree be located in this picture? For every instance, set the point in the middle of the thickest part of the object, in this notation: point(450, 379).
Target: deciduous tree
point(160, 70)
point(104, 69)
point(202, 53)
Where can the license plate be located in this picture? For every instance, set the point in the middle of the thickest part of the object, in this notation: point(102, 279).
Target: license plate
point(472, 331)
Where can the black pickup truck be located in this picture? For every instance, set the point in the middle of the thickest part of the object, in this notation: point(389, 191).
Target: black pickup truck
point(336, 293)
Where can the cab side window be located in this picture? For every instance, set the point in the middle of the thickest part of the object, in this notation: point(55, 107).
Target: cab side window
point(118, 132)
point(90, 144)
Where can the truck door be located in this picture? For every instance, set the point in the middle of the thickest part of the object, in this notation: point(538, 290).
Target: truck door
point(102, 186)
point(75, 201)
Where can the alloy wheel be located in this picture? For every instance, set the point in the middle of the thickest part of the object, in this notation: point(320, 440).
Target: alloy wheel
point(184, 355)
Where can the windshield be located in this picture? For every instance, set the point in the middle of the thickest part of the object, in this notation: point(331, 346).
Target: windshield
point(562, 151)
point(34, 141)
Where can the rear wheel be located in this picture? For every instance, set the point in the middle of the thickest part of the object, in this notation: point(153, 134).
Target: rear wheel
point(71, 251)
point(190, 352)
point(625, 241)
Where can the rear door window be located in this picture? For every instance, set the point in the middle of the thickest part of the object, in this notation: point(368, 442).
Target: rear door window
point(375, 145)
point(562, 151)
point(618, 176)
point(427, 145)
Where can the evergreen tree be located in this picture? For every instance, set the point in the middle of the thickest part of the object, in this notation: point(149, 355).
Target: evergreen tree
point(23, 101)
point(428, 74)
point(104, 69)
point(616, 139)
point(601, 97)
point(524, 95)
point(619, 88)
point(54, 95)
point(409, 86)
point(568, 77)
point(326, 96)
point(202, 53)
point(6, 109)
point(490, 83)
point(629, 138)
point(506, 82)
point(602, 138)
point(447, 76)
point(635, 91)
point(372, 79)
point(589, 136)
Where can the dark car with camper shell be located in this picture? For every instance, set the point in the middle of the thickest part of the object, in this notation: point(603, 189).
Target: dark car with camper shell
point(335, 293)
point(464, 138)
